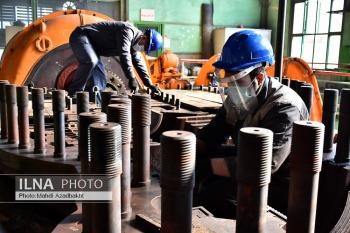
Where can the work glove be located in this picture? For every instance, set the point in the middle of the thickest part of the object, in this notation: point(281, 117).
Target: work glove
point(133, 85)
point(154, 90)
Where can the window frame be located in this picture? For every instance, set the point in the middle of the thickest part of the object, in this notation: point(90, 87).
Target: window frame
point(314, 34)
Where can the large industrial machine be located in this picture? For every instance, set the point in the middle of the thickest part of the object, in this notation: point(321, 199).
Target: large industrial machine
point(40, 55)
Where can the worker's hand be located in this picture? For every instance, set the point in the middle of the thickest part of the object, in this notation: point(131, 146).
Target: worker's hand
point(133, 85)
point(155, 89)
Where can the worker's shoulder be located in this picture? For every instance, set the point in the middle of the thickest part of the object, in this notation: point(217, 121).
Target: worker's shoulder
point(284, 96)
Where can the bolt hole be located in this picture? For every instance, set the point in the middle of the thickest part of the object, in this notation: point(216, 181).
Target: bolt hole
point(179, 133)
point(309, 122)
point(256, 130)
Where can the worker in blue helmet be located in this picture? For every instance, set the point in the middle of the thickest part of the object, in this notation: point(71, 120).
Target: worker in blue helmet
point(250, 98)
point(111, 38)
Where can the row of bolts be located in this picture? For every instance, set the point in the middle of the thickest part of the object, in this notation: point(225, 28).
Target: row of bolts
point(109, 153)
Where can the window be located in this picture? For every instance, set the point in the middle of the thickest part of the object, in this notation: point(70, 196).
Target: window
point(316, 35)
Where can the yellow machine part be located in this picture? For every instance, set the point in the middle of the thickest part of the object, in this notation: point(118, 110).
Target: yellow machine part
point(293, 68)
point(298, 69)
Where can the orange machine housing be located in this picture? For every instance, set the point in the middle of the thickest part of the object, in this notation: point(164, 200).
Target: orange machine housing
point(27, 47)
point(164, 71)
point(33, 49)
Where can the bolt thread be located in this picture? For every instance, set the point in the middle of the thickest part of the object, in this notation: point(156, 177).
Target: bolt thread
point(82, 102)
point(121, 114)
point(307, 146)
point(141, 110)
point(105, 149)
point(178, 150)
point(254, 162)
point(84, 121)
point(120, 100)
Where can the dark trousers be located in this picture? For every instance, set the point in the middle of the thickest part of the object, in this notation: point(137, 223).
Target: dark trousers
point(91, 69)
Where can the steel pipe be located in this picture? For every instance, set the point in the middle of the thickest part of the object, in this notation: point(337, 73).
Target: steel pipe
point(253, 177)
point(121, 114)
point(343, 140)
point(105, 152)
point(141, 121)
point(12, 114)
point(305, 166)
point(178, 156)
point(23, 117)
point(39, 120)
point(330, 101)
point(58, 105)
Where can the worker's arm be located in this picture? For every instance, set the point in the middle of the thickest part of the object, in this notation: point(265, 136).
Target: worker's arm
point(125, 53)
point(280, 121)
point(211, 136)
point(141, 68)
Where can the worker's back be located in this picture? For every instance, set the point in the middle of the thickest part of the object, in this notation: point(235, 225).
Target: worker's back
point(108, 37)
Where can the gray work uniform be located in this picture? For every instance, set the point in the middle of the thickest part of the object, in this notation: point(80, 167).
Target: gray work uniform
point(279, 106)
point(108, 38)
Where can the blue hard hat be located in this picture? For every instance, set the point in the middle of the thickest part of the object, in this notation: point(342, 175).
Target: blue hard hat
point(155, 40)
point(244, 49)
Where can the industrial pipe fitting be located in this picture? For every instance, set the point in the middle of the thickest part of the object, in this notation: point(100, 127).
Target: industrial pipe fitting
point(105, 152)
point(12, 114)
point(141, 121)
point(305, 166)
point(343, 140)
point(23, 117)
point(82, 102)
point(121, 114)
point(39, 120)
point(84, 121)
point(3, 109)
point(178, 156)
point(253, 177)
point(305, 92)
point(330, 101)
point(58, 105)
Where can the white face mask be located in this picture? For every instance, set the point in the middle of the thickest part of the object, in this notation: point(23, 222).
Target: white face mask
point(138, 47)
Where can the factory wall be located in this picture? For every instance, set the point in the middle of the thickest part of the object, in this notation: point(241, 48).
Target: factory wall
point(181, 19)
